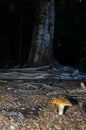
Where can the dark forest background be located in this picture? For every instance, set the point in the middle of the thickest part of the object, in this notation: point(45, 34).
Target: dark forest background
point(16, 30)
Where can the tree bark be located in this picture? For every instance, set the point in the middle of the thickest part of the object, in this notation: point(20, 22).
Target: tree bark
point(41, 52)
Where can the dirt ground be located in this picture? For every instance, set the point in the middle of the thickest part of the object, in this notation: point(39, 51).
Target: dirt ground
point(24, 105)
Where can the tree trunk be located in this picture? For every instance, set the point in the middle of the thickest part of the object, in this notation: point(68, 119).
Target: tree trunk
point(41, 53)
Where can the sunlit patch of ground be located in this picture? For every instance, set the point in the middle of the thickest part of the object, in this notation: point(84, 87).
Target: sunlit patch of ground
point(24, 105)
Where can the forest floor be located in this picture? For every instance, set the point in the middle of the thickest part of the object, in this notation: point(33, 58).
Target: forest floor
point(25, 100)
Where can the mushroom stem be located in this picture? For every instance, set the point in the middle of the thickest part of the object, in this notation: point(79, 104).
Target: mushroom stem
point(61, 109)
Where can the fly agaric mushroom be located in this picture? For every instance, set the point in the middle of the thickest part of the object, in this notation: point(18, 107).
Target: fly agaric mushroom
point(61, 102)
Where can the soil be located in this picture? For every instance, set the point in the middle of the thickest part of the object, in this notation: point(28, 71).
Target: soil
point(24, 104)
